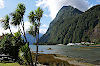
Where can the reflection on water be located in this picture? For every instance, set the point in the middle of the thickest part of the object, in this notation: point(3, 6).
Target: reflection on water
point(91, 54)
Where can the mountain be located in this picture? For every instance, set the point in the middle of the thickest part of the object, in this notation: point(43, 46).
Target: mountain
point(30, 38)
point(73, 25)
point(60, 25)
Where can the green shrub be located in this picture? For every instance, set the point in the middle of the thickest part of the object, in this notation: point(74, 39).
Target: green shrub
point(24, 54)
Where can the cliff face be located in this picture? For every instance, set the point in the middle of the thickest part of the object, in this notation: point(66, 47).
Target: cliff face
point(95, 36)
point(72, 25)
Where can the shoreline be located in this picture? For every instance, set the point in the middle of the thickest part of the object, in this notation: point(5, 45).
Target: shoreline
point(61, 58)
point(74, 61)
point(70, 45)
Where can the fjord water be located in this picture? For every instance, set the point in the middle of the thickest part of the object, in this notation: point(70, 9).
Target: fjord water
point(89, 53)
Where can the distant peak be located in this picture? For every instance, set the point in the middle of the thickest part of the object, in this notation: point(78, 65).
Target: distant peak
point(70, 9)
point(67, 7)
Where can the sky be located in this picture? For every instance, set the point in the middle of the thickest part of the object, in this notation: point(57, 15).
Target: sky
point(50, 8)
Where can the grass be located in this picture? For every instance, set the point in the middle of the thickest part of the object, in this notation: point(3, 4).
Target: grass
point(45, 59)
point(9, 64)
point(51, 60)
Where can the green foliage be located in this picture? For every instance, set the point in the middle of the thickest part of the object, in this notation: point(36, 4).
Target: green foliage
point(17, 16)
point(24, 54)
point(38, 13)
point(32, 31)
point(17, 34)
point(6, 22)
point(21, 9)
point(34, 18)
point(10, 46)
point(31, 17)
point(17, 39)
point(5, 41)
point(72, 25)
point(10, 41)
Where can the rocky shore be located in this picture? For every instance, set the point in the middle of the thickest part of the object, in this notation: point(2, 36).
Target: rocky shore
point(55, 59)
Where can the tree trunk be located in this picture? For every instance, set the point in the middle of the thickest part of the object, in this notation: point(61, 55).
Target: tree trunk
point(27, 42)
point(10, 31)
point(19, 29)
point(30, 56)
point(37, 39)
point(24, 32)
point(36, 52)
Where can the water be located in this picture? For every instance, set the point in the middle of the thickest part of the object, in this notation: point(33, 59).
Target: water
point(90, 54)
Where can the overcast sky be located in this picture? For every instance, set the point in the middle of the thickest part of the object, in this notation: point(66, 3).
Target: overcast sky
point(50, 7)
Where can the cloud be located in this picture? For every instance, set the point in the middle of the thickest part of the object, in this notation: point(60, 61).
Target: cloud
point(55, 5)
point(13, 28)
point(43, 30)
point(45, 15)
point(1, 18)
point(1, 3)
point(27, 25)
point(44, 26)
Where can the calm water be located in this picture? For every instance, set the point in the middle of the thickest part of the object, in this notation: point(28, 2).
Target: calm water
point(89, 53)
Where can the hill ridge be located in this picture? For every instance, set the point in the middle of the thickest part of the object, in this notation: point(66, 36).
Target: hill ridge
point(72, 25)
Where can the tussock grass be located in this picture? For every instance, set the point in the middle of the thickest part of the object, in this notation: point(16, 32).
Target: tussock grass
point(48, 59)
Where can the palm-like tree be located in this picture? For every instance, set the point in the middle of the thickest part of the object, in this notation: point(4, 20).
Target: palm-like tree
point(6, 21)
point(34, 18)
point(32, 31)
point(39, 13)
point(17, 19)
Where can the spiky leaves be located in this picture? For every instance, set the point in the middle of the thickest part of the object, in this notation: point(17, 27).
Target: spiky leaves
point(16, 19)
point(17, 16)
point(34, 18)
point(21, 9)
point(5, 22)
point(38, 13)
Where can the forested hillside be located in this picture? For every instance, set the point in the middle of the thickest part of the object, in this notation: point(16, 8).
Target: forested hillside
point(72, 25)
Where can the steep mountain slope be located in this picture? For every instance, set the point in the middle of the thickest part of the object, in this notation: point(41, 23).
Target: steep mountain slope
point(30, 38)
point(72, 25)
point(86, 24)
point(60, 25)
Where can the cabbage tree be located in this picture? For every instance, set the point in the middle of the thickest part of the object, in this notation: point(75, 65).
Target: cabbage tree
point(34, 18)
point(6, 23)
